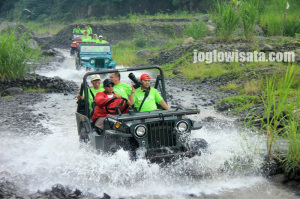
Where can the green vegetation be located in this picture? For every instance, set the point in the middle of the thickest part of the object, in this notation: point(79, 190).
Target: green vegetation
point(249, 17)
point(227, 20)
point(35, 90)
point(15, 53)
point(197, 30)
point(277, 20)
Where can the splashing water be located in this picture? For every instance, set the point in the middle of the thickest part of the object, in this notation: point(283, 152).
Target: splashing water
point(229, 168)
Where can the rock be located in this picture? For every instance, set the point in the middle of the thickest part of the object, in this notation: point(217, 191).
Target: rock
point(176, 72)
point(209, 40)
point(297, 55)
point(4, 25)
point(188, 41)
point(33, 44)
point(211, 28)
point(145, 53)
point(12, 91)
point(204, 18)
point(258, 30)
point(50, 52)
point(224, 106)
point(266, 47)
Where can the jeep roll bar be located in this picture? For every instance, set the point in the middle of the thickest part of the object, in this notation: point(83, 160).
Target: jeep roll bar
point(84, 87)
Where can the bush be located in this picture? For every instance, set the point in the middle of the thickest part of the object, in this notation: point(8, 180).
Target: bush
point(249, 18)
point(15, 53)
point(227, 20)
point(197, 30)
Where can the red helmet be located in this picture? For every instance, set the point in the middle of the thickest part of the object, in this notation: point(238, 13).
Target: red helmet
point(145, 76)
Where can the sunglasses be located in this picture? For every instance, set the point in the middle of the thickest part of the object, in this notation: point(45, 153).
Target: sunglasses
point(109, 85)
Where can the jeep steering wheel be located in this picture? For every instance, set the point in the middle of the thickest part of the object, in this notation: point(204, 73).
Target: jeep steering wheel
point(117, 109)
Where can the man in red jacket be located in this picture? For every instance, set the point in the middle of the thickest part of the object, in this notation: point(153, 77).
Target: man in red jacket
point(103, 97)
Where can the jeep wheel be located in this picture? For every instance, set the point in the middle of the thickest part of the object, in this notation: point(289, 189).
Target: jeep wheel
point(77, 66)
point(83, 134)
point(72, 52)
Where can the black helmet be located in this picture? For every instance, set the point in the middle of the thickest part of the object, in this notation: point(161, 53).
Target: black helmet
point(107, 82)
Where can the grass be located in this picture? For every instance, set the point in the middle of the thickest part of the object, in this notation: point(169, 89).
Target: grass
point(229, 87)
point(35, 90)
point(227, 20)
point(249, 15)
point(197, 30)
point(15, 53)
point(44, 27)
point(124, 53)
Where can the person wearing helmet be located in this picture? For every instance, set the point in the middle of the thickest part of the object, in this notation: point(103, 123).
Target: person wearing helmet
point(102, 98)
point(145, 97)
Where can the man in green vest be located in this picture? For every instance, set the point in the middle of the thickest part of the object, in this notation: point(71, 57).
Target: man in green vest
point(101, 41)
point(89, 29)
point(122, 89)
point(76, 29)
point(86, 38)
point(92, 91)
point(82, 31)
point(145, 97)
point(95, 39)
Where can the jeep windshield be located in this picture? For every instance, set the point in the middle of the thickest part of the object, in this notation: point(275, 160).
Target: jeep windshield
point(97, 49)
point(77, 36)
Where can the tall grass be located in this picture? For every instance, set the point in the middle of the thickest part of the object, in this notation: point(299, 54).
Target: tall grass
point(274, 100)
point(124, 53)
point(15, 53)
point(249, 16)
point(274, 21)
point(197, 30)
point(292, 156)
point(227, 20)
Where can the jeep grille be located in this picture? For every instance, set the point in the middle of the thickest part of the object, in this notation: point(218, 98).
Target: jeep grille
point(161, 134)
point(99, 63)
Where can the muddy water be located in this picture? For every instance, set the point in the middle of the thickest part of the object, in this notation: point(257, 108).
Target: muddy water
point(229, 169)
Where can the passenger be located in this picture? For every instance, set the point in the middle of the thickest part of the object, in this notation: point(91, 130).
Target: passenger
point(76, 29)
point(86, 37)
point(90, 30)
point(122, 89)
point(145, 98)
point(92, 91)
point(82, 31)
point(95, 39)
point(103, 97)
point(102, 41)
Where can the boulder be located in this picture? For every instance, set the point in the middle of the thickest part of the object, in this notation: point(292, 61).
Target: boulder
point(297, 55)
point(145, 53)
point(266, 47)
point(211, 28)
point(209, 40)
point(188, 40)
point(12, 91)
point(33, 44)
point(176, 72)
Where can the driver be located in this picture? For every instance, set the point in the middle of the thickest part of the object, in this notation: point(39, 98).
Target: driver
point(102, 98)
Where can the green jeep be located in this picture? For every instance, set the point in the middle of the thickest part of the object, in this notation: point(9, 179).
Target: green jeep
point(94, 56)
point(159, 135)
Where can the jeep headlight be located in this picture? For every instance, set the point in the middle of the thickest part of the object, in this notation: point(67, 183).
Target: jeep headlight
point(182, 126)
point(140, 130)
point(106, 61)
point(92, 61)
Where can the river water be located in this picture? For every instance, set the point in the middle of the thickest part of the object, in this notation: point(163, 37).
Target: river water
point(231, 168)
